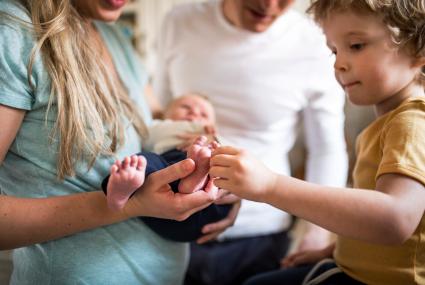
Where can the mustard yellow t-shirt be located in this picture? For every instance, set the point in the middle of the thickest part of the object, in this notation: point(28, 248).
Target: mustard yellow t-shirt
point(394, 143)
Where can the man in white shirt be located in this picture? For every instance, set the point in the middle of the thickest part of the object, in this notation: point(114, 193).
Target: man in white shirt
point(263, 66)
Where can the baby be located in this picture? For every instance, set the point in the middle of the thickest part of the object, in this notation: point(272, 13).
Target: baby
point(187, 114)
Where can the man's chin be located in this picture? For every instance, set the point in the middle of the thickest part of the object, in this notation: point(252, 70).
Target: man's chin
point(258, 28)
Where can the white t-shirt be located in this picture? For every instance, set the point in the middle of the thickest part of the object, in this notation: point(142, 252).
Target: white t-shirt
point(260, 85)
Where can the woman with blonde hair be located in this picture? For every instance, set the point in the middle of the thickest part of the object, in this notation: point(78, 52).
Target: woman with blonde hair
point(70, 104)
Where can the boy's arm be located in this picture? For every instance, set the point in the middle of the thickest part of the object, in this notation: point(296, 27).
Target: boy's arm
point(389, 215)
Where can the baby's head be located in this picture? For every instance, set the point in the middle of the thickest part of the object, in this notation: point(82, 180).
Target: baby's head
point(405, 20)
point(191, 107)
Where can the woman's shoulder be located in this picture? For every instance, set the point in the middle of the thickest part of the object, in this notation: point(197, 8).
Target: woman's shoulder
point(15, 26)
point(13, 10)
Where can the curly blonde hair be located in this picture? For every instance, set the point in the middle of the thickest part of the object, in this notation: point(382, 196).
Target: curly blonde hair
point(404, 18)
point(90, 101)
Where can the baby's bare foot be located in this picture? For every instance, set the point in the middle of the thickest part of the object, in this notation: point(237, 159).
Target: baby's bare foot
point(201, 154)
point(126, 177)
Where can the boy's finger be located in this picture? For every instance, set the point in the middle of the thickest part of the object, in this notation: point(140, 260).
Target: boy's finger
point(226, 150)
point(222, 160)
point(219, 172)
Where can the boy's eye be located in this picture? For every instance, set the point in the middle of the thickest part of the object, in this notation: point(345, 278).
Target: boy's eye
point(357, 46)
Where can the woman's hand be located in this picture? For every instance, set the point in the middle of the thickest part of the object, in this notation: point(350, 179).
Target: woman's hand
point(307, 257)
point(240, 173)
point(213, 230)
point(156, 199)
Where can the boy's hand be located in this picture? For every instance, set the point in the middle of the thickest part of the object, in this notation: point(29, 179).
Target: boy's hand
point(240, 173)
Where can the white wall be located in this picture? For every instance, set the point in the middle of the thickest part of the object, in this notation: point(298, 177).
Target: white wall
point(301, 5)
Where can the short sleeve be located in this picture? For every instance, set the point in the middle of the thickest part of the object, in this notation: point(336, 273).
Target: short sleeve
point(15, 49)
point(403, 144)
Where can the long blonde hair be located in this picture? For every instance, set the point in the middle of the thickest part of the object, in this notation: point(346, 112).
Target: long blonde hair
point(90, 102)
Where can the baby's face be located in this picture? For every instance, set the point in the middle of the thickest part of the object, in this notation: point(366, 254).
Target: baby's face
point(191, 108)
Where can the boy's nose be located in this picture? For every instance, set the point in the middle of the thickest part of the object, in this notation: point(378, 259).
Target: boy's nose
point(340, 64)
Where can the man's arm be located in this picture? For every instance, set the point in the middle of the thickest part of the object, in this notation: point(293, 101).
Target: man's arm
point(327, 159)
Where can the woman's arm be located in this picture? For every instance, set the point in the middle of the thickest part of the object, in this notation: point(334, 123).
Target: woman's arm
point(388, 216)
point(25, 221)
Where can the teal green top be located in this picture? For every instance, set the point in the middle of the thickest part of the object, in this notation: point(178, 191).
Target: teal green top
point(123, 253)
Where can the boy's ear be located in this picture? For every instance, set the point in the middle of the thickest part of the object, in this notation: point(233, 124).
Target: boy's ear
point(419, 61)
